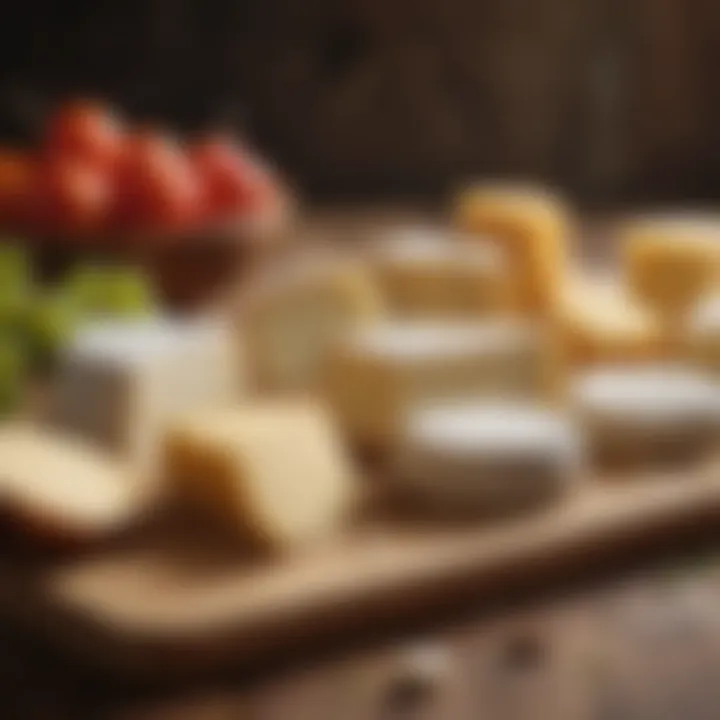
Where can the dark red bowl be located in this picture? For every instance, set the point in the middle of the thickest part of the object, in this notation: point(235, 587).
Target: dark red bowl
point(189, 270)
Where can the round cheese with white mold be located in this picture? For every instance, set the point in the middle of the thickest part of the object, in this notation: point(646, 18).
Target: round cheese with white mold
point(476, 458)
point(650, 413)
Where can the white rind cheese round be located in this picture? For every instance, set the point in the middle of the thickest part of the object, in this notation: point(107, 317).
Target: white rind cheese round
point(471, 458)
point(652, 412)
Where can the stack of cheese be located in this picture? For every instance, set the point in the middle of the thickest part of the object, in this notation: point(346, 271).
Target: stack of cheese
point(480, 362)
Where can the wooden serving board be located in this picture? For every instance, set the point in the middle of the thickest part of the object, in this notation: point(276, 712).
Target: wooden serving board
point(181, 600)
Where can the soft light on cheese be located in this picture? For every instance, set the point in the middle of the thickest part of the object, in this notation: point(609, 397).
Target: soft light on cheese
point(379, 374)
point(292, 318)
point(601, 322)
point(60, 489)
point(672, 261)
point(121, 382)
point(432, 274)
point(273, 471)
point(701, 336)
point(647, 413)
point(531, 225)
point(479, 457)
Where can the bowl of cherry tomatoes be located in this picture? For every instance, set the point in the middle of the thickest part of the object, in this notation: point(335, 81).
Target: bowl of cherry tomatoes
point(195, 213)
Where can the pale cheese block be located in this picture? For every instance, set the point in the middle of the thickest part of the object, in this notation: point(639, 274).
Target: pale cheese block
point(472, 458)
point(647, 414)
point(60, 489)
point(672, 261)
point(273, 471)
point(293, 316)
point(532, 225)
point(601, 322)
point(379, 374)
point(425, 273)
point(121, 382)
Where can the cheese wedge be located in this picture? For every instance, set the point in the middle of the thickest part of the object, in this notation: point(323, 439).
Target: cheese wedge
point(531, 225)
point(274, 472)
point(672, 261)
point(602, 323)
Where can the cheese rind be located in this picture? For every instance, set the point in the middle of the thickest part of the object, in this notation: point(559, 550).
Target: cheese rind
point(470, 457)
point(601, 323)
point(647, 413)
point(431, 274)
point(533, 228)
point(378, 375)
point(274, 471)
point(292, 319)
point(120, 383)
point(671, 262)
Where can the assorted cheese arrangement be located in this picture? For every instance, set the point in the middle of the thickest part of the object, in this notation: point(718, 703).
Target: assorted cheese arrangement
point(484, 368)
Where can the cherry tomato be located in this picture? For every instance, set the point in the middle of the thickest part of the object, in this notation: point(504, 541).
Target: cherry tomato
point(74, 198)
point(157, 186)
point(234, 182)
point(86, 131)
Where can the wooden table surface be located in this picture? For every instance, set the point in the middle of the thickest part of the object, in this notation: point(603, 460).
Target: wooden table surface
point(643, 646)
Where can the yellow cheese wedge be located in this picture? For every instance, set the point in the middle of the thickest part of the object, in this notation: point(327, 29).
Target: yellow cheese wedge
point(671, 261)
point(601, 323)
point(273, 471)
point(533, 227)
point(292, 318)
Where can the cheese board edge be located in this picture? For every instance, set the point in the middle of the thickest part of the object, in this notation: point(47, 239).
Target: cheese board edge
point(604, 524)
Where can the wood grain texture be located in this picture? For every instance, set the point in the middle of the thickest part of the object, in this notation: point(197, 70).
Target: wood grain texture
point(183, 602)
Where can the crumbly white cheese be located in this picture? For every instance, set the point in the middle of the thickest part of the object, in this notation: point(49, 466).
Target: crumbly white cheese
point(120, 383)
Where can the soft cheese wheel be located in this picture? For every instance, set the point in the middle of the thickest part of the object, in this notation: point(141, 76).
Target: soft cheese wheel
point(293, 316)
point(672, 261)
point(59, 489)
point(121, 382)
point(702, 336)
point(647, 413)
point(602, 323)
point(533, 227)
point(473, 458)
point(376, 376)
point(428, 273)
point(274, 471)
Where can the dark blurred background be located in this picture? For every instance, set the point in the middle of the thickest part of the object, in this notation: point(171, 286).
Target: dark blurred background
point(615, 100)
